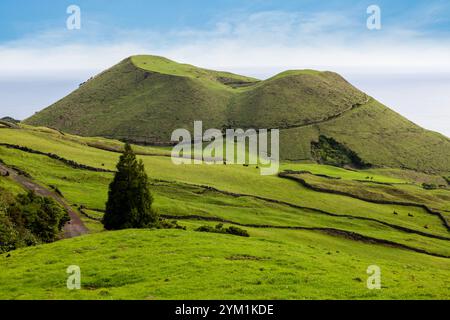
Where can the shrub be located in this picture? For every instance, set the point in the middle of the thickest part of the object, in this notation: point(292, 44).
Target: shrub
point(9, 237)
point(166, 224)
point(429, 186)
point(42, 217)
point(237, 231)
point(28, 219)
point(331, 152)
point(220, 229)
point(206, 229)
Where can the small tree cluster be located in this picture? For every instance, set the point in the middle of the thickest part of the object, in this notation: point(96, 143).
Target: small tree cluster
point(28, 219)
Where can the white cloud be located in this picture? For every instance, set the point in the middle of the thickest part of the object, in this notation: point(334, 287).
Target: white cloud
point(259, 44)
point(261, 40)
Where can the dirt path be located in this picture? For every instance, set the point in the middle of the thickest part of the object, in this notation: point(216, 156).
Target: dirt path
point(75, 227)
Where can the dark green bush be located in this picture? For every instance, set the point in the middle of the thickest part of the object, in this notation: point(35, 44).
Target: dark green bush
point(331, 152)
point(166, 224)
point(237, 231)
point(206, 229)
point(429, 186)
point(220, 229)
point(9, 236)
point(28, 219)
point(43, 217)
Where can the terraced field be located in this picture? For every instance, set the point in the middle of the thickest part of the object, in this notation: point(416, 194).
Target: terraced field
point(314, 229)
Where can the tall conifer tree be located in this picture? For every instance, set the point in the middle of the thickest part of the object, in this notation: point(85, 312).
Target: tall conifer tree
point(129, 202)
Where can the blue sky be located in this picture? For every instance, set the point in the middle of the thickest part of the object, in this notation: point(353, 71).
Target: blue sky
point(405, 64)
point(22, 17)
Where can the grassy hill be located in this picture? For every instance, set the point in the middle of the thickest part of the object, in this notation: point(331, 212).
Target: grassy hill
point(144, 98)
point(377, 135)
point(307, 240)
point(167, 264)
point(143, 105)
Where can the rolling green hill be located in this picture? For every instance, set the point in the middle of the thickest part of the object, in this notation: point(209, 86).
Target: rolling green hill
point(168, 264)
point(307, 240)
point(144, 98)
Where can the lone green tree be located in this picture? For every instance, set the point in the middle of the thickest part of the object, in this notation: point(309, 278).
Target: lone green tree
point(129, 202)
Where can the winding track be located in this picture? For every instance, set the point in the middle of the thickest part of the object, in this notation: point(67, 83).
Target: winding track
point(75, 227)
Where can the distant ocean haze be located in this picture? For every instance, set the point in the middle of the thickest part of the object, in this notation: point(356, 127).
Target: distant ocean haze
point(422, 98)
point(21, 98)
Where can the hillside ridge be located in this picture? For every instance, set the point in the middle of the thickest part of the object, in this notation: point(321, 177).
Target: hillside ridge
point(143, 99)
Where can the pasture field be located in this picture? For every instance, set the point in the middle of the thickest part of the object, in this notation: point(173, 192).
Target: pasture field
point(175, 264)
point(304, 243)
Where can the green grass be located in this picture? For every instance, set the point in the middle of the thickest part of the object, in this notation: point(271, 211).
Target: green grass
point(410, 193)
point(90, 190)
point(342, 173)
point(379, 136)
point(92, 225)
point(293, 99)
point(10, 185)
point(231, 178)
point(273, 263)
point(78, 186)
point(169, 264)
point(209, 77)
